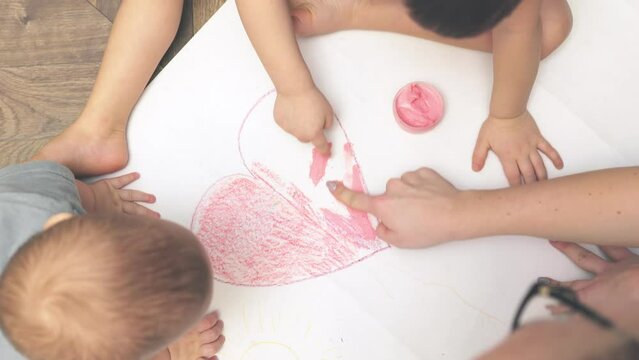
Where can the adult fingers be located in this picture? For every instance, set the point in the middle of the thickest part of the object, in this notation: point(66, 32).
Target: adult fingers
point(479, 154)
point(527, 170)
point(210, 349)
point(133, 208)
point(321, 144)
point(540, 167)
point(135, 195)
point(616, 253)
point(575, 285)
point(545, 147)
point(124, 180)
point(350, 198)
point(582, 257)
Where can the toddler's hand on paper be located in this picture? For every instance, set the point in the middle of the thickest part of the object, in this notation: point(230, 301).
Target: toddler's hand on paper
point(305, 115)
point(109, 195)
point(517, 143)
point(417, 210)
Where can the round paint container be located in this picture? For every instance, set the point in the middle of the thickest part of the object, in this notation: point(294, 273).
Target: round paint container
point(418, 107)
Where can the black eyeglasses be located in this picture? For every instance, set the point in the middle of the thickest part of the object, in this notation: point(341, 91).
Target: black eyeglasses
point(566, 296)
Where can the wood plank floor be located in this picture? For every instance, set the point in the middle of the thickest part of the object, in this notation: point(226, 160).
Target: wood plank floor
point(50, 52)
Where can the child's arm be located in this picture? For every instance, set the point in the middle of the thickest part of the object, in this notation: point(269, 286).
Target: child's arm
point(300, 109)
point(510, 131)
point(108, 195)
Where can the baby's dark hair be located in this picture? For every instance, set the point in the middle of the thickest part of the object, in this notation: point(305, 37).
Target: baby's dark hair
point(103, 287)
point(460, 18)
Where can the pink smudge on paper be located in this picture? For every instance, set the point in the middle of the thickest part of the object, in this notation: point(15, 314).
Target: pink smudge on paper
point(261, 230)
point(318, 166)
point(354, 181)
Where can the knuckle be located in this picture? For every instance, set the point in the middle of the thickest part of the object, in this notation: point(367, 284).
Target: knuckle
point(393, 185)
point(425, 172)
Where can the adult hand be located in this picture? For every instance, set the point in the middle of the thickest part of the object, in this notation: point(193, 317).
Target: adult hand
point(617, 276)
point(614, 288)
point(420, 209)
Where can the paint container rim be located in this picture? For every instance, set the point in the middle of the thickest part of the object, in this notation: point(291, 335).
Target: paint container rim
point(418, 129)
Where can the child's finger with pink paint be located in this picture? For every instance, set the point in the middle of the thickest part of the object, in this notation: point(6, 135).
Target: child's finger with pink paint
point(136, 195)
point(352, 199)
point(124, 180)
point(321, 144)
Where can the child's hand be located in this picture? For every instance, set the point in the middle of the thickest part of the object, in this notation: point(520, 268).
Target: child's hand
point(108, 195)
point(305, 115)
point(517, 143)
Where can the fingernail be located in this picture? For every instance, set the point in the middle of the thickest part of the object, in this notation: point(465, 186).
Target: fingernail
point(331, 185)
point(556, 244)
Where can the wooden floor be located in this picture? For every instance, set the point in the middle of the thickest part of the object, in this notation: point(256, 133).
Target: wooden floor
point(50, 52)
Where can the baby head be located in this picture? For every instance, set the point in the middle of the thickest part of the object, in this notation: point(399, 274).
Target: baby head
point(104, 287)
point(460, 18)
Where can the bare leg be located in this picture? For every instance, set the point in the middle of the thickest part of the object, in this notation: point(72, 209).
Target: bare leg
point(315, 17)
point(202, 342)
point(96, 142)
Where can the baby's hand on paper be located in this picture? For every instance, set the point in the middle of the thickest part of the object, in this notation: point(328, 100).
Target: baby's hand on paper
point(517, 143)
point(305, 115)
point(109, 195)
point(418, 210)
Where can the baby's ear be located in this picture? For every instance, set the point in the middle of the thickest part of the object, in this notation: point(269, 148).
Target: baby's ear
point(54, 219)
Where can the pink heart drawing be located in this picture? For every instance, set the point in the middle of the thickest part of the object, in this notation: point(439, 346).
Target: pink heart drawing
point(262, 229)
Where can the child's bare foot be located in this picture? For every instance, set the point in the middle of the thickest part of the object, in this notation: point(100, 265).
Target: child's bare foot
point(202, 342)
point(88, 149)
point(317, 17)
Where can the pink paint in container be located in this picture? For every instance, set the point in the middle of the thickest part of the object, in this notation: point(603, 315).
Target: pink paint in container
point(418, 107)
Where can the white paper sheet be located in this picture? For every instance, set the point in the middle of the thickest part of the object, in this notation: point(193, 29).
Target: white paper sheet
point(452, 301)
